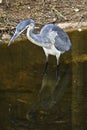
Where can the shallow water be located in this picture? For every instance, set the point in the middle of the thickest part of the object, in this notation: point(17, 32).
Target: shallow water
point(30, 100)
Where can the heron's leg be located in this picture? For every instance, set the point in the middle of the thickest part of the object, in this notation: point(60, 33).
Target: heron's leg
point(46, 65)
point(57, 69)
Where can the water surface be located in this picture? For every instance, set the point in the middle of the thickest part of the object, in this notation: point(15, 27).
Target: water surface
point(30, 100)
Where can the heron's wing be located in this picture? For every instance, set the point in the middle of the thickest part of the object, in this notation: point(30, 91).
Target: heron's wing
point(48, 35)
point(62, 41)
point(43, 36)
point(53, 34)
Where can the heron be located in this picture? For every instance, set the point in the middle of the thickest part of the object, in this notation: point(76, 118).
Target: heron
point(51, 38)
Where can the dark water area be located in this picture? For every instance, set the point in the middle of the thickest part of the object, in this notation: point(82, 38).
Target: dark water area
point(30, 100)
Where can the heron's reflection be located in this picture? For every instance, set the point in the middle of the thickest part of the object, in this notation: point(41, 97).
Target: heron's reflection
point(50, 94)
point(52, 89)
point(47, 90)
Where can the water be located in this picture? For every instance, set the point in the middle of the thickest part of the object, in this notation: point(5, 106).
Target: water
point(32, 101)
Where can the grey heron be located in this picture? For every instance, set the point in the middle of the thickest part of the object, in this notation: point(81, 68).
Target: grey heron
point(51, 38)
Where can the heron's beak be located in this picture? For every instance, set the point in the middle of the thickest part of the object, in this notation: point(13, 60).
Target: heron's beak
point(13, 38)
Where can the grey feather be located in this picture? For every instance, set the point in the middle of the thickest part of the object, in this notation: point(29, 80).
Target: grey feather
point(61, 39)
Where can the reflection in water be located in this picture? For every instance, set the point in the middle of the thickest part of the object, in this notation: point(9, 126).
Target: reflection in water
point(49, 96)
point(29, 101)
point(31, 110)
point(52, 89)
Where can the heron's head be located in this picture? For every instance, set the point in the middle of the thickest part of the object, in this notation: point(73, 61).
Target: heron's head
point(20, 28)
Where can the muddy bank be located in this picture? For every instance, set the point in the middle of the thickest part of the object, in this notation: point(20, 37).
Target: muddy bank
point(67, 14)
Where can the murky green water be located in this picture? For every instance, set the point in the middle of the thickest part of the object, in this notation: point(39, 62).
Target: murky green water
point(31, 101)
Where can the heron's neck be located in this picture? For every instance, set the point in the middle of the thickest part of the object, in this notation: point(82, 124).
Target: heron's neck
point(34, 38)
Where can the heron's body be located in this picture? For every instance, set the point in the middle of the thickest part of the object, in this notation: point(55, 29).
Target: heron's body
point(51, 38)
point(45, 39)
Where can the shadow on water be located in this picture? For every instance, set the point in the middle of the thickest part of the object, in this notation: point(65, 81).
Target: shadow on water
point(29, 100)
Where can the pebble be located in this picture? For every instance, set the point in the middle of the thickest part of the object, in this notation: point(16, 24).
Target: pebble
point(6, 36)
